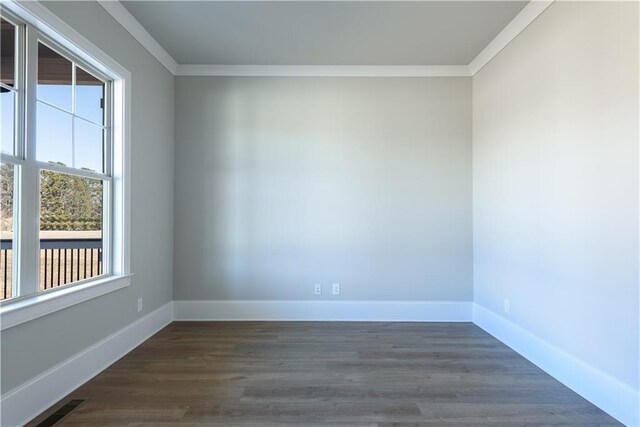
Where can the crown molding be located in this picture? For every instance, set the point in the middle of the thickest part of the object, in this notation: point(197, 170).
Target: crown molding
point(135, 28)
point(324, 70)
point(526, 16)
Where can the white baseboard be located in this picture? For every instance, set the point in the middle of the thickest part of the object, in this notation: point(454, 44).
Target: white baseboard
point(282, 310)
point(30, 399)
point(619, 400)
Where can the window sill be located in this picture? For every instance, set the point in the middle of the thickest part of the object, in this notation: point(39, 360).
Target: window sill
point(39, 305)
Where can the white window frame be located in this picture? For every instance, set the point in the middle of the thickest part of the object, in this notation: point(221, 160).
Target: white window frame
point(43, 25)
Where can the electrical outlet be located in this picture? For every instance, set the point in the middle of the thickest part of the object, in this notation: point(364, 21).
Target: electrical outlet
point(317, 289)
point(336, 288)
point(139, 305)
point(507, 307)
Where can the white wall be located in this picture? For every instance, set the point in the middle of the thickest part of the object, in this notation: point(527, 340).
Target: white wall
point(286, 182)
point(33, 347)
point(555, 175)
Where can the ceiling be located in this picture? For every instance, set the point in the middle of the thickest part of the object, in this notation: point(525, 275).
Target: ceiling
point(422, 33)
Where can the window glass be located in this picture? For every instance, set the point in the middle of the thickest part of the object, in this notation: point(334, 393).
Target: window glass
point(54, 136)
point(7, 93)
point(7, 120)
point(7, 52)
point(55, 78)
point(88, 145)
point(6, 229)
point(89, 97)
point(71, 211)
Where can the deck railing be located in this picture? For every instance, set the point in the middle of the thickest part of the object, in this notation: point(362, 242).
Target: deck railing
point(62, 261)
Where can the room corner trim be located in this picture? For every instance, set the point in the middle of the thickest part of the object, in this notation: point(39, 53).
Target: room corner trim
point(526, 16)
point(619, 400)
point(135, 28)
point(291, 310)
point(27, 401)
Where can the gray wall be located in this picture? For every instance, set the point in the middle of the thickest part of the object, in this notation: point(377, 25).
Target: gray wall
point(285, 182)
point(555, 174)
point(31, 348)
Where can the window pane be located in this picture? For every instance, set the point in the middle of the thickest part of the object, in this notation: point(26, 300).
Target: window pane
point(7, 121)
point(7, 52)
point(88, 142)
point(6, 230)
point(53, 136)
point(89, 94)
point(70, 228)
point(54, 78)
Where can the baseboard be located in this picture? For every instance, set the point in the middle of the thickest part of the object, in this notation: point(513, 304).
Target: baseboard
point(27, 401)
point(365, 311)
point(619, 400)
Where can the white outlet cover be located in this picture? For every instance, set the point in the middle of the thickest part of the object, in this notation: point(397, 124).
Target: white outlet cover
point(317, 289)
point(336, 289)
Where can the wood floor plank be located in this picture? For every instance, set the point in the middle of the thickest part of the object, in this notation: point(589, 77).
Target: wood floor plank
point(350, 374)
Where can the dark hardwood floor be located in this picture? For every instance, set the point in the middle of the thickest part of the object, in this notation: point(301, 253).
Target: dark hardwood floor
point(320, 373)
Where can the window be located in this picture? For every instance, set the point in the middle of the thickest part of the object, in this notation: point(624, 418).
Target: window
point(63, 210)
